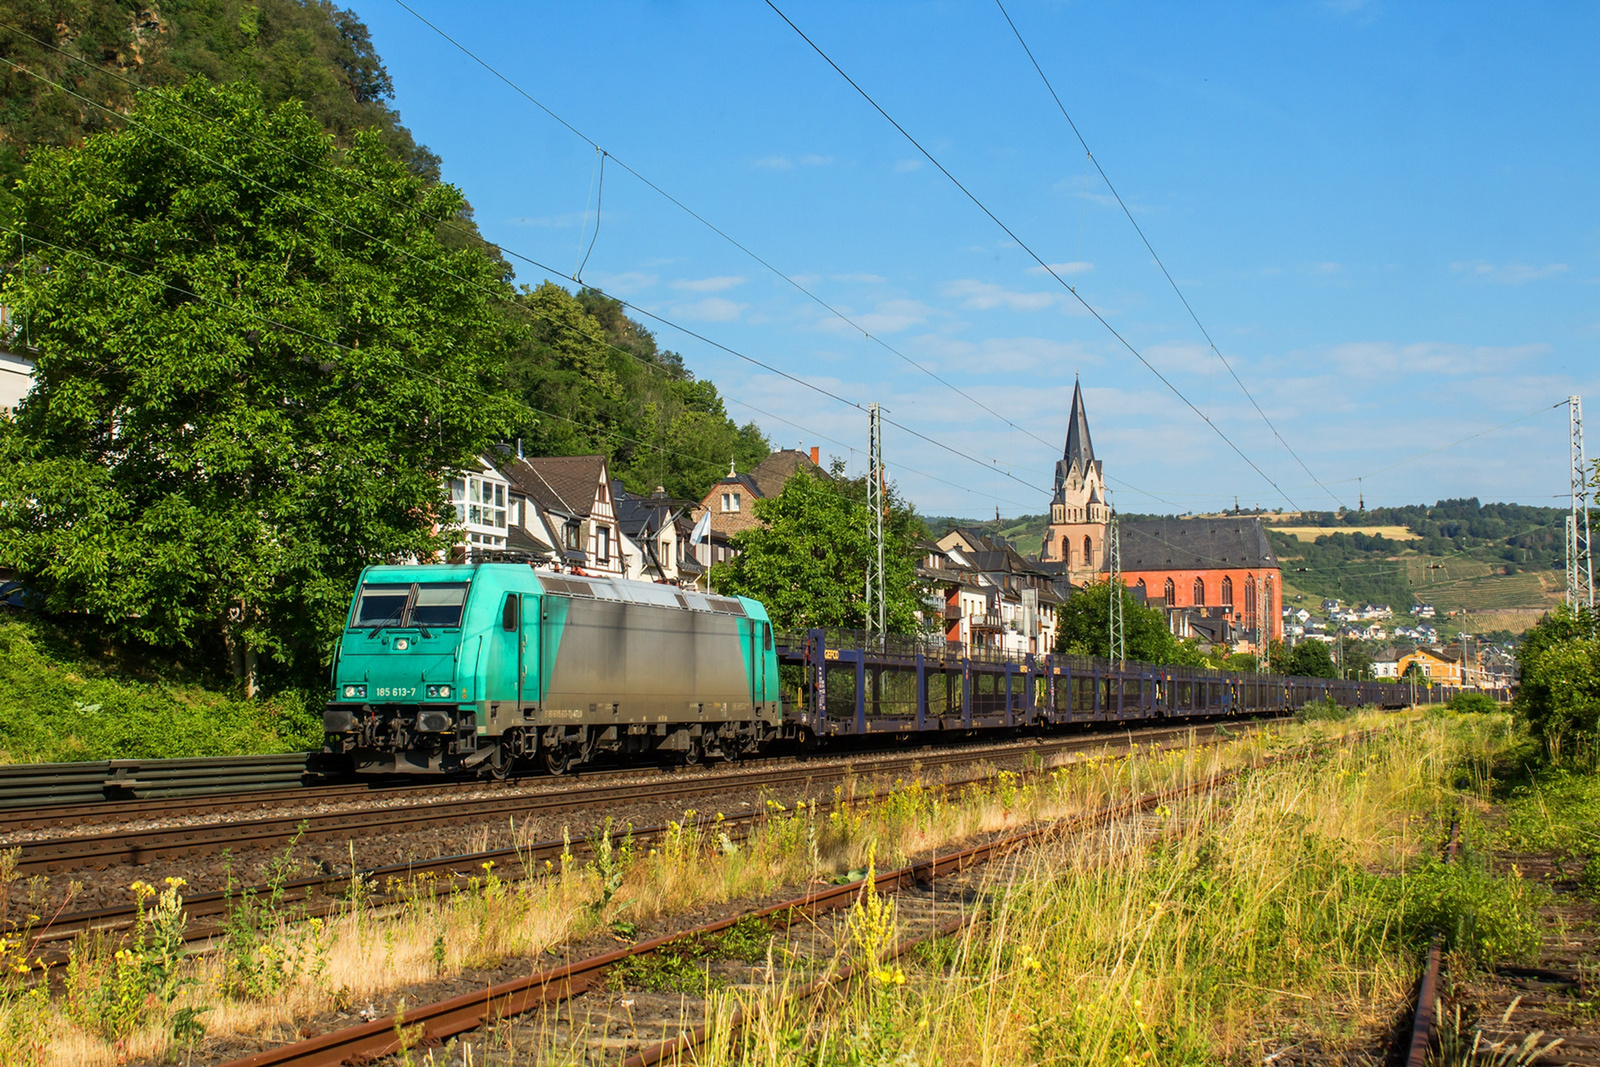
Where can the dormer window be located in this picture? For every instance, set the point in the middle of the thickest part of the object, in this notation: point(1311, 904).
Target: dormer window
point(730, 503)
point(571, 533)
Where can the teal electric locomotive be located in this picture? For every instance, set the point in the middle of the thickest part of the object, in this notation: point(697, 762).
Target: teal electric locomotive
point(443, 669)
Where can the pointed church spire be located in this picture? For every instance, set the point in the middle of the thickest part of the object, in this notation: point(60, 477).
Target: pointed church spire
point(1079, 447)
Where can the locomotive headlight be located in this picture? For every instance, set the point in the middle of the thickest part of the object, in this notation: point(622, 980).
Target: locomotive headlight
point(352, 691)
point(438, 691)
point(444, 690)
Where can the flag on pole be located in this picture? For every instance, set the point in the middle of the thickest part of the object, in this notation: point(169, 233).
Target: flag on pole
point(702, 529)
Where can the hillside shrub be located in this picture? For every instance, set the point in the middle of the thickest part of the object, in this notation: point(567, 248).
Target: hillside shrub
point(58, 706)
point(1473, 703)
point(1559, 694)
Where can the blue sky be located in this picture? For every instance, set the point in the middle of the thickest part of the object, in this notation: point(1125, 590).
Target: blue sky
point(1384, 214)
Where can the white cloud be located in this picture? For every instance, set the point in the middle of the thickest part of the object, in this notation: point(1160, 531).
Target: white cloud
point(1387, 359)
point(785, 163)
point(710, 285)
point(865, 279)
point(1004, 355)
point(1506, 273)
point(1077, 266)
point(571, 218)
point(711, 309)
point(889, 316)
point(985, 296)
point(905, 166)
point(626, 282)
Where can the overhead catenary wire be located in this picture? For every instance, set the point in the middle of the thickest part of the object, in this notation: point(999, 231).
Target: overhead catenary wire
point(987, 463)
point(602, 154)
point(1153, 255)
point(351, 349)
point(1026, 248)
point(745, 249)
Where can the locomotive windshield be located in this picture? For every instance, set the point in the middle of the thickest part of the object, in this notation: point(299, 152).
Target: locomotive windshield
point(425, 604)
point(439, 604)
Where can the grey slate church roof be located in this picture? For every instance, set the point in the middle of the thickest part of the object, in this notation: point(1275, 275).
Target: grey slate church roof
point(1079, 450)
point(1194, 544)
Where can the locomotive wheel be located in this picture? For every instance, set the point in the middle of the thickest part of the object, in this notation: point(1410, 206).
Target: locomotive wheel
point(557, 760)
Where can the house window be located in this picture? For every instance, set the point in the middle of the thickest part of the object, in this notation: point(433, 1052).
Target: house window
point(1199, 593)
point(1227, 591)
point(602, 544)
point(571, 531)
point(1169, 591)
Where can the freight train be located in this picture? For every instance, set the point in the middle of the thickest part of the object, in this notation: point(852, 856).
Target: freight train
point(486, 667)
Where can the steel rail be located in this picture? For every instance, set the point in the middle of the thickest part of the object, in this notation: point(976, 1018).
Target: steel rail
point(323, 895)
point(134, 847)
point(431, 1024)
point(1425, 1021)
point(86, 813)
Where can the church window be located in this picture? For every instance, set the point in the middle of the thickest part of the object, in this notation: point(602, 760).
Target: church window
point(1199, 593)
point(1058, 513)
point(1227, 592)
point(1088, 552)
point(1170, 591)
point(1144, 591)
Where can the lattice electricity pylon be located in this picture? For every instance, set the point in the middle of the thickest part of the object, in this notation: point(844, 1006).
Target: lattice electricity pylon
point(1580, 558)
point(1117, 649)
point(877, 610)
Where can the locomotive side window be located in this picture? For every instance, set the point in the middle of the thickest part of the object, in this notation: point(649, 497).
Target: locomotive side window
point(382, 605)
point(438, 604)
point(508, 617)
point(766, 636)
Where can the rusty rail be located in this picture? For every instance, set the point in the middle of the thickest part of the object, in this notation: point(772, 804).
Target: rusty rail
point(1425, 1022)
point(432, 1024)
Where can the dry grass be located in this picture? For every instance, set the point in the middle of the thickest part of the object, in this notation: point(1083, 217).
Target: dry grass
point(1239, 926)
point(1311, 533)
point(267, 984)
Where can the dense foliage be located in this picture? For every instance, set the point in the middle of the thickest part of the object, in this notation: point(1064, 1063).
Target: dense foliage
point(1083, 627)
point(598, 382)
point(1559, 693)
point(105, 51)
point(60, 702)
point(807, 560)
point(254, 360)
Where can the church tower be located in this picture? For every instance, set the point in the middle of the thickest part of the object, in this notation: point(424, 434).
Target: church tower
point(1079, 513)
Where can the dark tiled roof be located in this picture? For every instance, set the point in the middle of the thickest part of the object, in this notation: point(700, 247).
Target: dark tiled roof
point(1194, 544)
point(638, 514)
point(565, 484)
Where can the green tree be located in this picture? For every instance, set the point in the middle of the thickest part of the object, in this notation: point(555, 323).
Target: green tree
point(253, 367)
point(608, 388)
point(1559, 692)
point(807, 559)
point(1311, 659)
point(1083, 628)
point(1277, 657)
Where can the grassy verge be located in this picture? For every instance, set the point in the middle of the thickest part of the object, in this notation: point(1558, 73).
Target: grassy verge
point(1294, 861)
point(1288, 914)
point(57, 705)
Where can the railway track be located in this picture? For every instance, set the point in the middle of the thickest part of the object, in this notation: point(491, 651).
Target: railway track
point(323, 895)
point(658, 1028)
point(26, 789)
point(137, 846)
